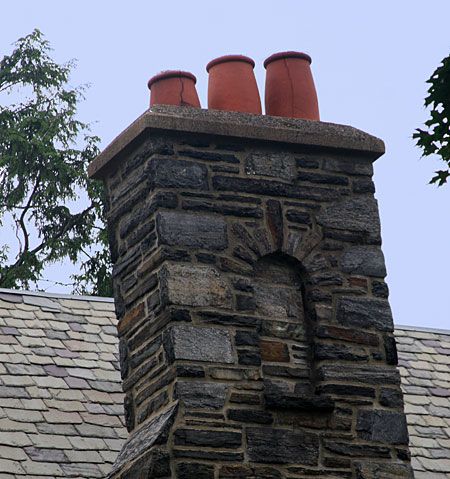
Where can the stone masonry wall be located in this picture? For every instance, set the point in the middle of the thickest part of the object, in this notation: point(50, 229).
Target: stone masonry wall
point(256, 337)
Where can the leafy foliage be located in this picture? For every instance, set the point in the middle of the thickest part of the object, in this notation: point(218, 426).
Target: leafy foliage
point(57, 212)
point(435, 139)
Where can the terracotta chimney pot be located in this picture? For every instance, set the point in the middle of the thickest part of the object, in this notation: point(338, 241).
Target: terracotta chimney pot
point(290, 89)
point(173, 87)
point(232, 85)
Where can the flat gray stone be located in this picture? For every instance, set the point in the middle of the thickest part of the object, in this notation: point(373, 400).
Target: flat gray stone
point(281, 446)
point(144, 438)
point(275, 165)
point(382, 426)
point(362, 374)
point(364, 260)
point(200, 395)
point(170, 173)
point(195, 285)
point(199, 344)
point(177, 228)
point(365, 312)
point(344, 164)
point(358, 214)
point(380, 470)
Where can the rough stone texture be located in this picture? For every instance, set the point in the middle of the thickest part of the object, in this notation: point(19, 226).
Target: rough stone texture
point(154, 464)
point(201, 437)
point(190, 470)
point(177, 174)
point(359, 374)
point(268, 445)
point(382, 470)
point(365, 312)
point(195, 285)
point(355, 217)
point(192, 231)
point(144, 438)
point(199, 344)
point(364, 260)
point(247, 283)
point(201, 395)
point(382, 426)
point(275, 166)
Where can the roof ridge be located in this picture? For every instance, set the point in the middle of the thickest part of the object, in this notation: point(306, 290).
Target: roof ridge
point(422, 329)
point(57, 295)
point(104, 299)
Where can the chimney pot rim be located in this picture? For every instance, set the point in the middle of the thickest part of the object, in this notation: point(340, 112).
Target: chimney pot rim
point(230, 58)
point(170, 74)
point(289, 54)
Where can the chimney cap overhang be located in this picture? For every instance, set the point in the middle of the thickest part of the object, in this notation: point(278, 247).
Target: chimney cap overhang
point(310, 134)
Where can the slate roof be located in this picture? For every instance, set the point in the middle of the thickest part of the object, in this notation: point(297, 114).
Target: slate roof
point(61, 401)
point(424, 360)
point(60, 388)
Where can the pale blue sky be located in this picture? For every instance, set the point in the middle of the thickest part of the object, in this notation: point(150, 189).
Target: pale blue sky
point(370, 63)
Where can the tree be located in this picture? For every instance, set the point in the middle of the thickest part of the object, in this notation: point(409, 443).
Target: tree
point(435, 139)
point(57, 213)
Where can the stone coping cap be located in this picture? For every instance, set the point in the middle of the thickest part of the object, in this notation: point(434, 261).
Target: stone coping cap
point(313, 134)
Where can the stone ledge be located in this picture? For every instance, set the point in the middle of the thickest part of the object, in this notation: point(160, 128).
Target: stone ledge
point(312, 134)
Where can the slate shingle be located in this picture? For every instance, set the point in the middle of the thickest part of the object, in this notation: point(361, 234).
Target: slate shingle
point(425, 371)
point(61, 393)
point(54, 423)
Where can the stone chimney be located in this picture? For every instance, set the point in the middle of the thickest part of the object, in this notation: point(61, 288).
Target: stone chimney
point(256, 337)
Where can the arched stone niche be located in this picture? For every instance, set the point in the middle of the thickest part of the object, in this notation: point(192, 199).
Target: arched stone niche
point(287, 333)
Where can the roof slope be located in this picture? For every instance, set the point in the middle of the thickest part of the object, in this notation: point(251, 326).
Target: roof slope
point(60, 389)
point(61, 401)
point(424, 360)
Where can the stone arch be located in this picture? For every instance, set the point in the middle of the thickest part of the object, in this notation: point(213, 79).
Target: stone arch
point(286, 337)
point(255, 241)
point(299, 251)
point(281, 286)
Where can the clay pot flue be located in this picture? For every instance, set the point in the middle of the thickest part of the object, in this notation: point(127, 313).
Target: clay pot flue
point(290, 89)
point(173, 87)
point(232, 85)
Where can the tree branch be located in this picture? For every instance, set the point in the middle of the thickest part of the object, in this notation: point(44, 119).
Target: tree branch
point(9, 85)
point(42, 245)
point(70, 222)
point(12, 207)
point(23, 227)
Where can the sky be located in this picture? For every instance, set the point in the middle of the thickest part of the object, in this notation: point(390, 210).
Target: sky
point(370, 64)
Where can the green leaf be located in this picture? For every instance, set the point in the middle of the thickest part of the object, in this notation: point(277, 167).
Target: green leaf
point(434, 140)
point(44, 153)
